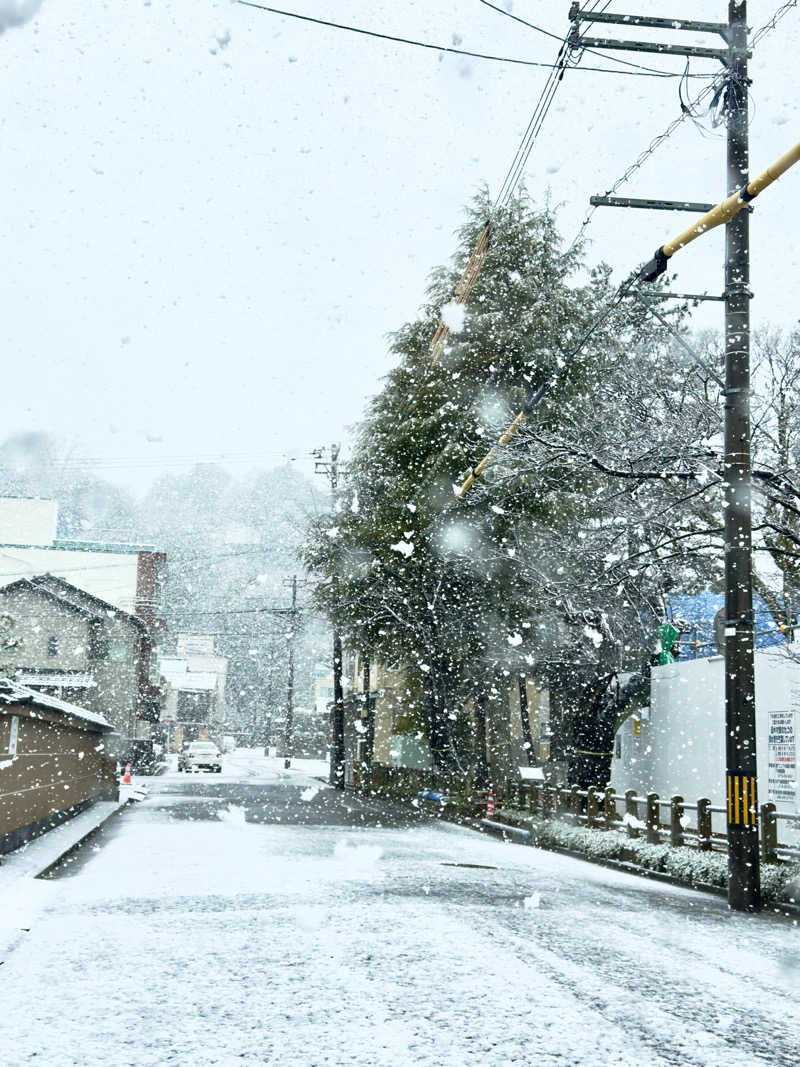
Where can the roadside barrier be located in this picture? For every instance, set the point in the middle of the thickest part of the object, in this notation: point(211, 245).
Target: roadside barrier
point(672, 821)
point(490, 805)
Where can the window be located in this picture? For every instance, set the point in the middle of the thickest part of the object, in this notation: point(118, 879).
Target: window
point(52, 646)
point(98, 641)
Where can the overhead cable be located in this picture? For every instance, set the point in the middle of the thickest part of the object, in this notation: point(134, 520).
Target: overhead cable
point(687, 111)
point(535, 396)
point(432, 47)
point(771, 23)
point(477, 258)
point(591, 51)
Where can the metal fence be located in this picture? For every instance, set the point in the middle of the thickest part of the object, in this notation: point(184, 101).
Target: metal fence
point(672, 821)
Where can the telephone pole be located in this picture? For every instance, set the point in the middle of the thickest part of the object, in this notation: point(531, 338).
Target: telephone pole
point(330, 468)
point(744, 879)
point(293, 613)
point(744, 875)
point(288, 733)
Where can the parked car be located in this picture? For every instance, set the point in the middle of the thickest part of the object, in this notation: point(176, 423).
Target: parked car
point(199, 754)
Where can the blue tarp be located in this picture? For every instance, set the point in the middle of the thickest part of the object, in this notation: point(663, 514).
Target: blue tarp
point(699, 610)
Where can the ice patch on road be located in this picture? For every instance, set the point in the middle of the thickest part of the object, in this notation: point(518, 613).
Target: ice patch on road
point(310, 793)
point(234, 815)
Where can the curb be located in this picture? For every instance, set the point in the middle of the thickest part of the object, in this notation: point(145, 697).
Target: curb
point(518, 835)
point(507, 832)
point(75, 845)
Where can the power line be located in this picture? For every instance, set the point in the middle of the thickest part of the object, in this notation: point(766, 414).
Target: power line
point(519, 162)
point(590, 51)
point(687, 111)
point(773, 22)
point(651, 148)
point(535, 396)
point(432, 47)
point(77, 464)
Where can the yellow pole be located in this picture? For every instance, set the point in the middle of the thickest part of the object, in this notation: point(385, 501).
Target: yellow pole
point(487, 459)
point(463, 288)
point(722, 213)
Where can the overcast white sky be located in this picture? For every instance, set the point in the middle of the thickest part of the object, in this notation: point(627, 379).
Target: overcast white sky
point(204, 246)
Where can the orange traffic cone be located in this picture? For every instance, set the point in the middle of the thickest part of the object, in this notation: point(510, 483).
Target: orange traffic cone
point(126, 778)
point(490, 805)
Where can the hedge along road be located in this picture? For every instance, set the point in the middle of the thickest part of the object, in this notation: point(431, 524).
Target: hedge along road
point(260, 917)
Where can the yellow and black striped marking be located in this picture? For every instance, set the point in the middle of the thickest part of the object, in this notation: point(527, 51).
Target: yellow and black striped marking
point(742, 800)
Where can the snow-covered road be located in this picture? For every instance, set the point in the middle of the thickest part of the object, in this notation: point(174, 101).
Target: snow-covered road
point(259, 917)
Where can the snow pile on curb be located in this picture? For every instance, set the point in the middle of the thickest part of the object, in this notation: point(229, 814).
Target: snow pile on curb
point(688, 865)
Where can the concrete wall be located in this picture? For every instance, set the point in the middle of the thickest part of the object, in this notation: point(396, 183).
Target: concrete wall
point(60, 766)
point(678, 746)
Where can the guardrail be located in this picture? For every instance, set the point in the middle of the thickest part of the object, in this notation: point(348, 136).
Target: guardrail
point(644, 817)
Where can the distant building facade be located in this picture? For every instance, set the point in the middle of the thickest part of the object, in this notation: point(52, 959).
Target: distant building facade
point(195, 679)
point(60, 640)
point(391, 734)
point(129, 578)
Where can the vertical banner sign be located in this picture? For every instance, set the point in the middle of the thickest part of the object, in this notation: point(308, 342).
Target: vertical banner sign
point(782, 780)
point(12, 737)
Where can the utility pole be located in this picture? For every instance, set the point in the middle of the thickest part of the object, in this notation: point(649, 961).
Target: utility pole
point(330, 468)
point(744, 880)
point(744, 890)
point(368, 722)
point(288, 734)
point(293, 613)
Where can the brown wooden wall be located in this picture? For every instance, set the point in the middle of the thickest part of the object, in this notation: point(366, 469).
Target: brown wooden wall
point(60, 764)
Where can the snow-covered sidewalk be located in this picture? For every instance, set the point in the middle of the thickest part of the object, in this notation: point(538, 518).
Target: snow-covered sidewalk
point(21, 896)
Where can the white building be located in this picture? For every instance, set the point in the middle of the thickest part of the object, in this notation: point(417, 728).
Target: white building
point(195, 678)
point(677, 745)
point(131, 577)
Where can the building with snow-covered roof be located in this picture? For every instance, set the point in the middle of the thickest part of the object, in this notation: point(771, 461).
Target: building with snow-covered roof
point(55, 762)
point(63, 641)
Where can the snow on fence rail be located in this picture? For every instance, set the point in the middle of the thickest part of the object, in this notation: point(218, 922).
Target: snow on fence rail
point(637, 816)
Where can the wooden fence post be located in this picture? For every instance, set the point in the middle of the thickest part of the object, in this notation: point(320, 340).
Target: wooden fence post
point(769, 833)
point(632, 809)
point(653, 836)
point(609, 808)
point(704, 824)
point(575, 803)
point(676, 811)
point(592, 806)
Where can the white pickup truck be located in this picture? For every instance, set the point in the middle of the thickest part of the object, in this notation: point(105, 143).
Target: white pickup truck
point(199, 754)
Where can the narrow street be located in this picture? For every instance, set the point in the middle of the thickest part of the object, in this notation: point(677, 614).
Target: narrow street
point(260, 917)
